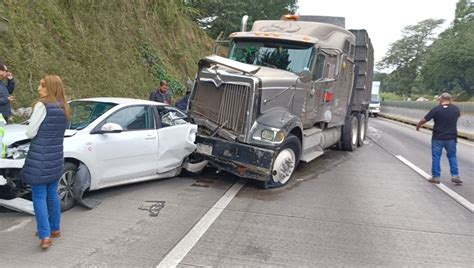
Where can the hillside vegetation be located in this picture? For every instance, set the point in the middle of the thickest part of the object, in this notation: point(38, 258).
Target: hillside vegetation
point(100, 47)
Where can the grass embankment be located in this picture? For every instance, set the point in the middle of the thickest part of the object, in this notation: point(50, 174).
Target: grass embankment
point(99, 47)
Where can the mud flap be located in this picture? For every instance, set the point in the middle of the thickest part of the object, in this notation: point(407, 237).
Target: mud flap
point(81, 184)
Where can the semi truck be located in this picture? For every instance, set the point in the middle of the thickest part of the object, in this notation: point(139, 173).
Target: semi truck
point(288, 90)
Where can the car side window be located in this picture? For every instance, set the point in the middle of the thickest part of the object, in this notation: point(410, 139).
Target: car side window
point(133, 118)
point(170, 116)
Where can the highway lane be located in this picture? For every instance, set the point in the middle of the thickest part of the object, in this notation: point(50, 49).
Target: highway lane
point(402, 139)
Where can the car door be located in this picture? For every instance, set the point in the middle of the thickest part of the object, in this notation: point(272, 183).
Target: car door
point(175, 138)
point(131, 153)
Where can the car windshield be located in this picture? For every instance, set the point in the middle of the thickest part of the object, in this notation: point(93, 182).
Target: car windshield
point(293, 57)
point(85, 112)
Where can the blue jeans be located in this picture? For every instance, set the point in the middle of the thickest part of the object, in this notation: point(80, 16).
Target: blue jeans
point(47, 208)
point(436, 151)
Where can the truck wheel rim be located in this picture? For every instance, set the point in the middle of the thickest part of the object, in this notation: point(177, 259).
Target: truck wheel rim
point(65, 187)
point(284, 166)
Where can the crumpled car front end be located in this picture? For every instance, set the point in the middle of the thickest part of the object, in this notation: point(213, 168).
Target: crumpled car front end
point(10, 168)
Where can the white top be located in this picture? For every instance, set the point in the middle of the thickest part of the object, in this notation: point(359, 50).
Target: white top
point(39, 113)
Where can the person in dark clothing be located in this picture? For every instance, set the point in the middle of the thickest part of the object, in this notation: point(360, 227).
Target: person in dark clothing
point(161, 94)
point(445, 117)
point(44, 163)
point(6, 91)
point(182, 104)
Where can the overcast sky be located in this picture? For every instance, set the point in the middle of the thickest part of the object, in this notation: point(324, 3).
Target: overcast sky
point(383, 19)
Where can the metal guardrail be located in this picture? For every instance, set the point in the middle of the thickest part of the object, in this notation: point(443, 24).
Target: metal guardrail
point(413, 115)
point(465, 107)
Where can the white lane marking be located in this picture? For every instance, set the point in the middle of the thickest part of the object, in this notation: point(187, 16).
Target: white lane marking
point(177, 254)
point(18, 226)
point(461, 200)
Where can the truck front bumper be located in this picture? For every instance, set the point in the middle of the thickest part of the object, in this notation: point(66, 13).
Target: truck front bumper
point(242, 160)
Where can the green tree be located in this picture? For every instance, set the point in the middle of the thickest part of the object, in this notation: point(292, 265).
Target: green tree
point(218, 16)
point(405, 56)
point(449, 63)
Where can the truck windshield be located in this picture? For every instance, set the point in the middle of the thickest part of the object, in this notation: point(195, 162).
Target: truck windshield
point(293, 57)
point(375, 98)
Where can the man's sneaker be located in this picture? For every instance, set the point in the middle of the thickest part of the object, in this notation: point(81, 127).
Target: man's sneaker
point(456, 180)
point(435, 180)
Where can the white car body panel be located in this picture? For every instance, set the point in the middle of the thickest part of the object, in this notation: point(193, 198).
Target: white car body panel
point(125, 155)
point(171, 146)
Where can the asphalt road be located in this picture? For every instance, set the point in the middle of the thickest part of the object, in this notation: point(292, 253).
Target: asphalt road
point(364, 208)
point(402, 139)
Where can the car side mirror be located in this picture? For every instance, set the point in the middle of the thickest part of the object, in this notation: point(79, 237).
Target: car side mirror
point(305, 76)
point(108, 128)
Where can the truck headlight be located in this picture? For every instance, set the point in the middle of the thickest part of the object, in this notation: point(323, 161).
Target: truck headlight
point(267, 135)
point(273, 136)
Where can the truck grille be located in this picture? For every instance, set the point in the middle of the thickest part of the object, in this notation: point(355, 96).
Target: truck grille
point(226, 103)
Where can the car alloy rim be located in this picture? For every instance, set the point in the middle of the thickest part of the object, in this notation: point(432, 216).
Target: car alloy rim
point(284, 166)
point(65, 186)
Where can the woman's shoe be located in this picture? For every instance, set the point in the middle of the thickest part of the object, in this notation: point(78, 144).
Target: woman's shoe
point(56, 233)
point(53, 234)
point(46, 243)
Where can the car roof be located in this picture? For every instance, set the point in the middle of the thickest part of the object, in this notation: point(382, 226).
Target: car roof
point(119, 101)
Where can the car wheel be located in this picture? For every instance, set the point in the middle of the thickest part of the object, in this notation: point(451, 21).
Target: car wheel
point(285, 163)
point(65, 186)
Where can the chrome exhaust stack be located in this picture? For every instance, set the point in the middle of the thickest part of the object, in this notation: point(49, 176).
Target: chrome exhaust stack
point(244, 23)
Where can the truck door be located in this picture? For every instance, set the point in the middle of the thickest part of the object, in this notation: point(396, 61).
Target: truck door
point(311, 98)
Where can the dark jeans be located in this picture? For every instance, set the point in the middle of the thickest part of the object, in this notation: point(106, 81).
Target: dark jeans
point(436, 152)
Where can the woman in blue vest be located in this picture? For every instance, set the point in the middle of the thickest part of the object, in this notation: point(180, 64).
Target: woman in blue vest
point(44, 163)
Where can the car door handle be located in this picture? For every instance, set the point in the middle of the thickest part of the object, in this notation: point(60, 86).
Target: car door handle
point(150, 137)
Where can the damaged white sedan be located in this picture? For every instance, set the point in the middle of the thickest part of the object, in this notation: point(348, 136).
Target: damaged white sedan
point(109, 142)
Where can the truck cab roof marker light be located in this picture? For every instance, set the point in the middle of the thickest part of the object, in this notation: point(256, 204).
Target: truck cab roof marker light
point(290, 17)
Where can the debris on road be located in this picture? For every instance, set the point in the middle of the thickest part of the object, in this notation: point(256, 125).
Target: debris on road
point(153, 207)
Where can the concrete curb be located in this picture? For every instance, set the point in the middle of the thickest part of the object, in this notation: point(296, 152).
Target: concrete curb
point(461, 134)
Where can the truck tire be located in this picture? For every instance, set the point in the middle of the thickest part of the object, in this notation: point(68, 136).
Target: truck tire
point(350, 134)
point(285, 163)
point(362, 129)
point(65, 187)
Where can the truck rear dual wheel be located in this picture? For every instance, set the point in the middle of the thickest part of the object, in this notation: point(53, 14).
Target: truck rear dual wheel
point(350, 134)
point(362, 129)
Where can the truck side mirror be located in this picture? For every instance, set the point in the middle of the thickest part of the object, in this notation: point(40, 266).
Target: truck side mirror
point(305, 76)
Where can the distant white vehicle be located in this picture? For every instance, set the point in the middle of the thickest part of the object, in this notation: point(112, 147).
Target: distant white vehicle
point(374, 106)
point(108, 142)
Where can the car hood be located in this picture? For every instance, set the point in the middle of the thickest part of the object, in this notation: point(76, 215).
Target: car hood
point(17, 132)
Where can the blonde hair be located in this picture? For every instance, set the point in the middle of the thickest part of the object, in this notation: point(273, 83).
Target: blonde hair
point(55, 89)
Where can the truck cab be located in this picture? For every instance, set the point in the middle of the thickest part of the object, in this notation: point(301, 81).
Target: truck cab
point(284, 94)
